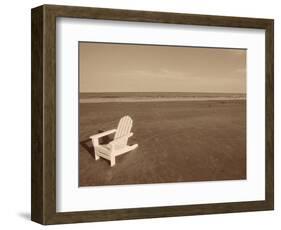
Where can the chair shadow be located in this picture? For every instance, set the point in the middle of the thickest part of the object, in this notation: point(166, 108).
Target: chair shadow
point(87, 144)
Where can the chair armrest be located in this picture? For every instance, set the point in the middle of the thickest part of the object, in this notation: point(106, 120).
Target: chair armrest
point(106, 133)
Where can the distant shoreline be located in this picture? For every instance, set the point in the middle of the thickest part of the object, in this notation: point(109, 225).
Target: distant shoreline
point(158, 99)
point(158, 94)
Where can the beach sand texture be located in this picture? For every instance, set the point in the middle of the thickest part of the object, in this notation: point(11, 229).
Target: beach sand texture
point(179, 141)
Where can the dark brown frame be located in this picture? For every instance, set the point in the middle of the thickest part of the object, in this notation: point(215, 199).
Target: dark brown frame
point(43, 160)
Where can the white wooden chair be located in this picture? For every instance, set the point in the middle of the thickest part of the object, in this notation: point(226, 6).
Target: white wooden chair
point(118, 145)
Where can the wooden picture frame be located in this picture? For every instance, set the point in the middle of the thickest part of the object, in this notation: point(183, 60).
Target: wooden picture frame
point(43, 205)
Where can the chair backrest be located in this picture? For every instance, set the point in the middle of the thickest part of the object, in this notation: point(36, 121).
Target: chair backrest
point(124, 128)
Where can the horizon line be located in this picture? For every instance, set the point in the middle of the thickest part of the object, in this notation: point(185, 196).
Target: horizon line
point(162, 92)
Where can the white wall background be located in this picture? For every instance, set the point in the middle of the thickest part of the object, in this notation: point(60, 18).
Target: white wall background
point(15, 113)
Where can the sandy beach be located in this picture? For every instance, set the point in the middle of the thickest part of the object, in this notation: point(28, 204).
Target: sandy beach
point(179, 141)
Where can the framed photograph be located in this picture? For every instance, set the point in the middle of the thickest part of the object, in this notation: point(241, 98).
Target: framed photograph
point(140, 114)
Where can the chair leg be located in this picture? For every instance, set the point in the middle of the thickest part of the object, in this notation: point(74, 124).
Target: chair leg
point(112, 161)
point(95, 143)
point(97, 157)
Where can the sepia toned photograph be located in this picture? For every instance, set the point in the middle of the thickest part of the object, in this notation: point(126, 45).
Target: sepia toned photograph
point(146, 114)
point(161, 114)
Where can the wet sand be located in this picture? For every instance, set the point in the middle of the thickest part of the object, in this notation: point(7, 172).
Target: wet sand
point(179, 141)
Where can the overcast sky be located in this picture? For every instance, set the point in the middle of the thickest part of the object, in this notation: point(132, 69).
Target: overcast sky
point(147, 68)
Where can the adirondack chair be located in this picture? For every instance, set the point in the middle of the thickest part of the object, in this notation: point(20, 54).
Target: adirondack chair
point(118, 145)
